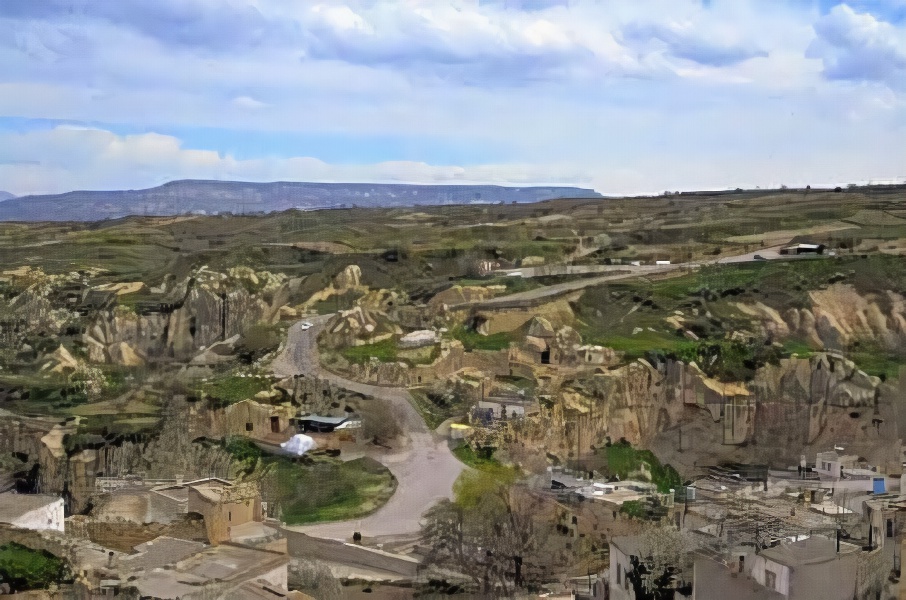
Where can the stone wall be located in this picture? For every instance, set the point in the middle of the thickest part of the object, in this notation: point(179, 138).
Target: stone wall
point(300, 545)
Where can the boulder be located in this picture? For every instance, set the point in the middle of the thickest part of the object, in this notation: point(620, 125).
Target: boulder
point(418, 339)
point(348, 278)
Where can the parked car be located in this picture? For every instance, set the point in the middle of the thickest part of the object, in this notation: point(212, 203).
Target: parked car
point(759, 257)
point(306, 325)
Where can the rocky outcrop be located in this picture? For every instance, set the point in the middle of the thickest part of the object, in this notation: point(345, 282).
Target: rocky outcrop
point(838, 317)
point(349, 278)
point(357, 327)
point(799, 406)
point(458, 294)
point(211, 312)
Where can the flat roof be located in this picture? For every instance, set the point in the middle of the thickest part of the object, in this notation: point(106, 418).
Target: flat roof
point(227, 562)
point(254, 590)
point(160, 552)
point(325, 420)
point(713, 580)
point(812, 550)
point(13, 506)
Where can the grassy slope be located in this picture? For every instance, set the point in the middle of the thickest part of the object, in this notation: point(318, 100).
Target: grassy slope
point(321, 489)
point(612, 315)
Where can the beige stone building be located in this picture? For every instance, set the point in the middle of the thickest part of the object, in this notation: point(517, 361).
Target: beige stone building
point(224, 505)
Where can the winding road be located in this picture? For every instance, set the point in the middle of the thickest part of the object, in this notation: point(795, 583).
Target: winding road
point(425, 469)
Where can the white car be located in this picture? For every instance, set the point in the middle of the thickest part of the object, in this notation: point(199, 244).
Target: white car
point(306, 325)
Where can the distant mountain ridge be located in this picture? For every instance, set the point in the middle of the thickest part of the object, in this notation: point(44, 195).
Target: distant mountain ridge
point(212, 197)
point(6, 196)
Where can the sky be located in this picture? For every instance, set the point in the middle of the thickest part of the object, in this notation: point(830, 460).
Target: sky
point(626, 97)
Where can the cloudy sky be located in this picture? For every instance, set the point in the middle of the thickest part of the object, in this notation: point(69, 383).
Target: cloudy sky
point(632, 96)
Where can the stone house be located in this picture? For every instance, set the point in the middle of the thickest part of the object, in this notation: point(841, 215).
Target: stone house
point(224, 505)
point(260, 422)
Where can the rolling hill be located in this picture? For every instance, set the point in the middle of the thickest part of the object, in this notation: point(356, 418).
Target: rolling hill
point(213, 197)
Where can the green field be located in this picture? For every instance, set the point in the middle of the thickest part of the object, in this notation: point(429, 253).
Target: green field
point(331, 490)
point(232, 388)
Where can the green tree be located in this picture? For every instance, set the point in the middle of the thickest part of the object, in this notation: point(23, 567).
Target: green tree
point(26, 569)
point(487, 532)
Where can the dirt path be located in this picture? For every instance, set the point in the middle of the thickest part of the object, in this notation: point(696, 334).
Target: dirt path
point(425, 469)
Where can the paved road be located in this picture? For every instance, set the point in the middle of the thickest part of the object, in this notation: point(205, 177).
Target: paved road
point(552, 291)
point(424, 469)
point(627, 272)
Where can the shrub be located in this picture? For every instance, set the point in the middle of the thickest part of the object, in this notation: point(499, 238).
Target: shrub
point(26, 569)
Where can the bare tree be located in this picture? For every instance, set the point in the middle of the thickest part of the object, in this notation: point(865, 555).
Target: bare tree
point(315, 579)
point(488, 533)
point(665, 563)
point(381, 421)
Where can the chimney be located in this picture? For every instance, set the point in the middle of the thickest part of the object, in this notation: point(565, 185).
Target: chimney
point(179, 479)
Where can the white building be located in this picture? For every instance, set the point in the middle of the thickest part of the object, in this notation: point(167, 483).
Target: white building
point(32, 511)
point(809, 568)
point(831, 465)
point(622, 549)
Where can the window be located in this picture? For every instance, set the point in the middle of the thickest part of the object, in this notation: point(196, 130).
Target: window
point(249, 427)
point(770, 580)
point(230, 516)
point(619, 574)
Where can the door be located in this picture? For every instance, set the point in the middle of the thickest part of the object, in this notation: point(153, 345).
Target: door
point(275, 424)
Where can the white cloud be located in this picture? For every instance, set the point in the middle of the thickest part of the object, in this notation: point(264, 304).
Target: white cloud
point(248, 103)
point(67, 158)
point(633, 96)
point(860, 47)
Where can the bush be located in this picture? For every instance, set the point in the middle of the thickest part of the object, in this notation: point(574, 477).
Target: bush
point(26, 569)
point(243, 451)
point(623, 460)
point(634, 509)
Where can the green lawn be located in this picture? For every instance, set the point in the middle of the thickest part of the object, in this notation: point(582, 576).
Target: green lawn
point(232, 388)
point(331, 490)
point(482, 461)
point(388, 351)
point(384, 351)
point(638, 345)
point(798, 347)
point(878, 362)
